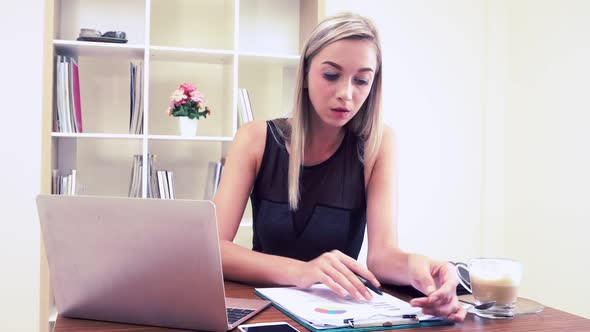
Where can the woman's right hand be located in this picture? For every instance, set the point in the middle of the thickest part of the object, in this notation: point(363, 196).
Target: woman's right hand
point(337, 271)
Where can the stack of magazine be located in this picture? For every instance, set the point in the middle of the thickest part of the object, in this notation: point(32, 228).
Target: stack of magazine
point(213, 178)
point(136, 98)
point(166, 184)
point(160, 183)
point(67, 117)
point(244, 107)
point(63, 184)
point(136, 185)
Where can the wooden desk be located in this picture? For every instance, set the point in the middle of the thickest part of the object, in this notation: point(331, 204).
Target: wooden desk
point(549, 320)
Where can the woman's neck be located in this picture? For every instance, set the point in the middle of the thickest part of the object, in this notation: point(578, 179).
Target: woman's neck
point(322, 141)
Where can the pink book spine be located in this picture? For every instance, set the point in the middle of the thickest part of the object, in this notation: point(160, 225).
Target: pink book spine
point(77, 101)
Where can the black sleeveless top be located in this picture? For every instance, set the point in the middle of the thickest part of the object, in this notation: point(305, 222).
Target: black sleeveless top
point(332, 207)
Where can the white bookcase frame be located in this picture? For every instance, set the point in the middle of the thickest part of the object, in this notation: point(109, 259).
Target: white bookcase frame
point(252, 44)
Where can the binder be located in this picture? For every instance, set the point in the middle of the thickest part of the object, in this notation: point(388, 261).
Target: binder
point(349, 325)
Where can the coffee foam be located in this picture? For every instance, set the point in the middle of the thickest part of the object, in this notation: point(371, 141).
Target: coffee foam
point(491, 275)
point(498, 280)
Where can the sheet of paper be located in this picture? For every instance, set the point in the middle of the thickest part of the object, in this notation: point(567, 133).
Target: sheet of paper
point(323, 308)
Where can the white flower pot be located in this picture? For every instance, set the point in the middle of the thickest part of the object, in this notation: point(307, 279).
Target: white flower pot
point(188, 127)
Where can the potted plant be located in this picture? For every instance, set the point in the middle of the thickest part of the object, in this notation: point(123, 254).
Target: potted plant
point(187, 103)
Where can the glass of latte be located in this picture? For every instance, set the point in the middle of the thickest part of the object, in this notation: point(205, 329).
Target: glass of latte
point(492, 279)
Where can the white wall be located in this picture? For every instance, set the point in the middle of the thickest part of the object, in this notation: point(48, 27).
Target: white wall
point(433, 55)
point(490, 103)
point(547, 146)
point(21, 33)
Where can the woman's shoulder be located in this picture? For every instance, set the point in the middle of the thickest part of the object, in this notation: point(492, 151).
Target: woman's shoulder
point(385, 151)
point(388, 135)
point(257, 129)
point(387, 140)
point(251, 134)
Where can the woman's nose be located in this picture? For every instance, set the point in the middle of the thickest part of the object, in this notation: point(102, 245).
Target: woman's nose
point(345, 90)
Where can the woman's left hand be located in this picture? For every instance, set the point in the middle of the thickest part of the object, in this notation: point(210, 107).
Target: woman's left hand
point(438, 280)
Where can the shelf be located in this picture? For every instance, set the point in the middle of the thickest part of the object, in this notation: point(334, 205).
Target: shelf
point(96, 135)
point(96, 49)
point(180, 54)
point(202, 24)
point(195, 138)
point(220, 46)
point(269, 26)
point(286, 60)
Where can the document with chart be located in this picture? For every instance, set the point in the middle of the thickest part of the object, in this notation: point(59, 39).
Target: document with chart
point(321, 308)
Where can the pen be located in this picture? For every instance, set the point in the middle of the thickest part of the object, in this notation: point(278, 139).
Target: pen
point(369, 285)
point(403, 320)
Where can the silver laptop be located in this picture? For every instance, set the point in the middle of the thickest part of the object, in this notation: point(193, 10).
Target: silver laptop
point(140, 261)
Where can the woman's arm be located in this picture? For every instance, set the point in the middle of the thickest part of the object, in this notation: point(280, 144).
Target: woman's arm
point(334, 269)
point(239, 173)
point(385, 259)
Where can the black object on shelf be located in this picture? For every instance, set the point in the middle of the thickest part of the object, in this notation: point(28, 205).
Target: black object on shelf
point(107, 37)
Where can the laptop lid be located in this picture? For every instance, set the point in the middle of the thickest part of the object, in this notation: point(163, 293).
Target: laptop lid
point(132, 260)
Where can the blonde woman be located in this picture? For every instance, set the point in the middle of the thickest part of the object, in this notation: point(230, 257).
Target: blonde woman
point(319, 177)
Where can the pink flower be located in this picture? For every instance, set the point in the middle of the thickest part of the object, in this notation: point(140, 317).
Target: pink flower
point(187, 87)
point(178, 95)
point(197, 97)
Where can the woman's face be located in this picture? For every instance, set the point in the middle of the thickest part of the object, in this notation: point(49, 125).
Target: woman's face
point(340, 78)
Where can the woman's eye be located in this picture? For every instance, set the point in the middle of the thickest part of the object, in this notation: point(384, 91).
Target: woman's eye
point(361, 81)
point(331, 77)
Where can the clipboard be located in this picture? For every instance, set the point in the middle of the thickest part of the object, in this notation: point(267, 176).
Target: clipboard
point(385, 324)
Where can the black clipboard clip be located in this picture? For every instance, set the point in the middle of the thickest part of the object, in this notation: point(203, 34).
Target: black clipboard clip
point(400, 320)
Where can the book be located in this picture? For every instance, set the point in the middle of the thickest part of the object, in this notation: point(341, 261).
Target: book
point(242, 115)
point(70, 87)
point(68, 105)
point(76, 93)
point(213, 178)
point(170, 179)
point(149, 168)
point(248, 105)
point(73, 190)
point(244, 107)
point(153, 187)
point(66, 96)
point(165, 185)
point(63, 184)
point(59, 95)
point(318, 308)
point(136, 175)
point(161, 188)
point(136, 97)
point(154, 182)
point(54, 183)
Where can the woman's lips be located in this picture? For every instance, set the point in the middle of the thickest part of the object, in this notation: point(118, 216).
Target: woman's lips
point(340, 112)
point(340, 109)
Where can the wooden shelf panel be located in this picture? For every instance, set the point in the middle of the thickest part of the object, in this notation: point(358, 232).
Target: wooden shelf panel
point(180, 54)
point(96, 49)
point(195, 138)
point(96, 135)
point(287, 60)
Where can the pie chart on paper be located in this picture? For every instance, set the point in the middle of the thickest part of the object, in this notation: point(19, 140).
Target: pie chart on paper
point(330, 310)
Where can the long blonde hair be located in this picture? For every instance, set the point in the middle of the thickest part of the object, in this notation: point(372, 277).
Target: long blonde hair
point(367, 123)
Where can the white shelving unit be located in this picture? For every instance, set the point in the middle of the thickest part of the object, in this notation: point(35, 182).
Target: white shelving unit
point(218, 45)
